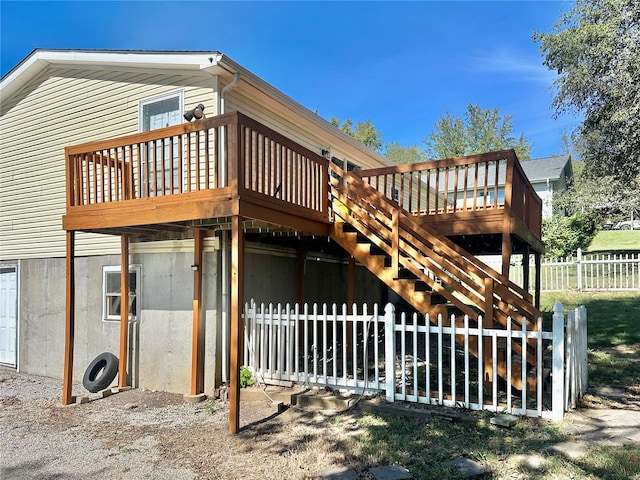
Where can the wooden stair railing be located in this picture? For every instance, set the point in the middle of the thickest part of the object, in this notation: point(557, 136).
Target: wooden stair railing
point(387, 240)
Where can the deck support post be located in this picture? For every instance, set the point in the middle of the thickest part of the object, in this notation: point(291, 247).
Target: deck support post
point(506, 253)
point(197, 337)
point(525, 267)
point(302, 267)
point(488, 352)
point(351, 274)
point(537, 256)
point(237, 329)
point(124, 310)
point(67, 391)
point(302, 260)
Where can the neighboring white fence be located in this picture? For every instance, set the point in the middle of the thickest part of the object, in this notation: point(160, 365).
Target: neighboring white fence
point(576, 371)
point(410, 359)
point(582, 272)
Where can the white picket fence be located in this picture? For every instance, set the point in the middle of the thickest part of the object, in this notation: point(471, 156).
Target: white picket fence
point(588, 272)
point(410, 359)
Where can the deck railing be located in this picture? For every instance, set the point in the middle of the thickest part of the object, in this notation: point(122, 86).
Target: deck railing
point(475, 183)
point(239, 157)
point(229, 151)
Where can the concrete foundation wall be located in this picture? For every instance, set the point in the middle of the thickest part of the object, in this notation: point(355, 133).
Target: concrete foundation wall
point(42, 315)
point(274, 278)
point(159, 343)
point(160, 340)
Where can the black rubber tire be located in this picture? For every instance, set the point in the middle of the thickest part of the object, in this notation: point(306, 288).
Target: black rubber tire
point(100, 372)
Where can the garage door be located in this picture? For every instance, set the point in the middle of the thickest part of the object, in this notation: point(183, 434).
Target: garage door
point(8, 314)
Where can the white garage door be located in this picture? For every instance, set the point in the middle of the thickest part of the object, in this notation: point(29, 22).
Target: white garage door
point(8, 314)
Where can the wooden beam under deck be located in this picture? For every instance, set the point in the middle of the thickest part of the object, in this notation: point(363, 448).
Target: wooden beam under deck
point(154, 210)
point(70, 286)
point(197, 335)
point(124, 310)
point(237, 324)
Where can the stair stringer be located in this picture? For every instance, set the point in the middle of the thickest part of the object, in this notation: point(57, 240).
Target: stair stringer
point(376, 218)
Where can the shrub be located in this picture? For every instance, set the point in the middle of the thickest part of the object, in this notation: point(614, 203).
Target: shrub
point(562, 236)
point(246, 378)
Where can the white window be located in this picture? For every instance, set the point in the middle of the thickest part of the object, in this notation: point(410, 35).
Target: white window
point(160, 112)
point(111, 298)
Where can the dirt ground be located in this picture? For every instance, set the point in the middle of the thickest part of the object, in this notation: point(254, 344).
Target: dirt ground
point(143, 434)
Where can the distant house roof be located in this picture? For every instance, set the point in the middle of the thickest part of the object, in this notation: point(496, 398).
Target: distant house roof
point(549, 168)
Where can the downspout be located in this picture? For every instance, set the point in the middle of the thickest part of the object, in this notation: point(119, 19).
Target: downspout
point(225, 245)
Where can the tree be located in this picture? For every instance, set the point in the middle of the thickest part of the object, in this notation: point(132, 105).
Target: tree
point(603, 198)
point(364, 132)
point(399, 154)
point(480, 131)
point(595, 48)
point(562, 236)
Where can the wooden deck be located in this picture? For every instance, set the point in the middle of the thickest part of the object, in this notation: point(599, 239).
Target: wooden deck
point(232, 173)
point(163, 184)
point(484, 194)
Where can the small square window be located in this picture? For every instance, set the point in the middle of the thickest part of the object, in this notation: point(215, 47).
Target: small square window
point(111, 297)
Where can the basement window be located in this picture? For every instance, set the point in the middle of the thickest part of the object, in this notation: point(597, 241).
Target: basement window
point(111, 299)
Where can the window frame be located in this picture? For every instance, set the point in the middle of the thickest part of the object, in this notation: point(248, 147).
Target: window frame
point(116, 269)
point(148, 155)
point(159, 98)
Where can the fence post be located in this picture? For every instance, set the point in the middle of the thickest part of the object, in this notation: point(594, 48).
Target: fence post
point(557, 375)
point(579, 267)
point(389, 352)
point(570, 367)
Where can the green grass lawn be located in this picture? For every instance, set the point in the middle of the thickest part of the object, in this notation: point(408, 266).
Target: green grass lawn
point(615, 240)
point(613, 333)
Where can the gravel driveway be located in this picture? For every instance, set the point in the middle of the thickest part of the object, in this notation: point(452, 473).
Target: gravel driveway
point(141, 434)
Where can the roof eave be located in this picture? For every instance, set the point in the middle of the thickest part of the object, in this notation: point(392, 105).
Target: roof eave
point(39, 60)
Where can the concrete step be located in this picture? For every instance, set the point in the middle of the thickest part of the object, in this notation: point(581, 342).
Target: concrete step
point(321, 400)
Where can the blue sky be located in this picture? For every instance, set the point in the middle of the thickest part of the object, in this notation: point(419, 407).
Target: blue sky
point(399, 64)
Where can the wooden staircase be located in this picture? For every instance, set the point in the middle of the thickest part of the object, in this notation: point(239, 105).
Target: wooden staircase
point(426, 269)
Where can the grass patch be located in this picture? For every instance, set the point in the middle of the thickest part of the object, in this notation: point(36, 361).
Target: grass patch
point(613, 317)
point(422, 445)
point(615, 240)
point(613, 333)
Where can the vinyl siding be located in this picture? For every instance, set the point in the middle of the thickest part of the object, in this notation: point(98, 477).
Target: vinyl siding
point(296, 127)
point(64, 107)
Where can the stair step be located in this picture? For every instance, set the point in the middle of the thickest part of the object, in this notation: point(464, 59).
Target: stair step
point(406, 274)
point(375, 250)
point(348, 228)
point(422, 286)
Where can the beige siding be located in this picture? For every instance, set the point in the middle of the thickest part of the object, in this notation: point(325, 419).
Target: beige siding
point(64, 107)
point(60, 108)
point(296, 127)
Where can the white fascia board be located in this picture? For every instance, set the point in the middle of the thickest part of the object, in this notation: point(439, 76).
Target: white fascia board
point(39, 60)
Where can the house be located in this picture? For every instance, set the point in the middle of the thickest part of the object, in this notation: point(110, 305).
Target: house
point(549, 175)
point(85, 96)
point(215, 188)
